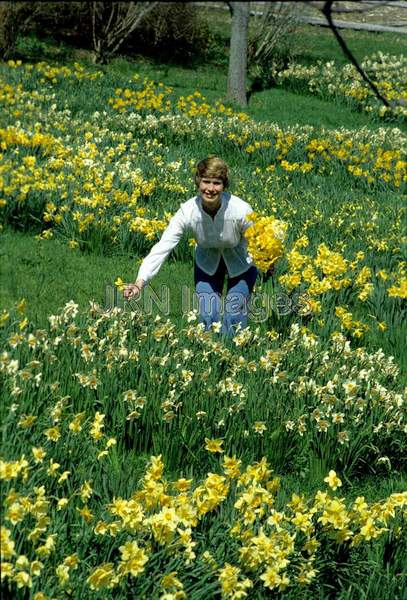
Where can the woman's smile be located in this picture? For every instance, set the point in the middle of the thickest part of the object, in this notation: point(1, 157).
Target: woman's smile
point(210, 189)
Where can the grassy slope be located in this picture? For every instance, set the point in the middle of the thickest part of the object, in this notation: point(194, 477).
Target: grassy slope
point(285, 107)
point(48, 274)
point(306, 44)
point(85, 277)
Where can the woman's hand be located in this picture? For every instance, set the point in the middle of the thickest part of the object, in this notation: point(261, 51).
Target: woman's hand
point(270, 271)
point(133, 290)
point(268, 274)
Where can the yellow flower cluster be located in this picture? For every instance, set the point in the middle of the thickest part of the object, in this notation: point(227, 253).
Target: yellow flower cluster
point(13, 136)
point(82, 184)
point(355, 327)
point(399, 289)
point(329, 271)
point(278, 547)
point(157, 97)
point(274, 543)
point(373, 164)
point(151, 97)
point(265, 240)
point(196, 105)
point(89, 182)
point(55, 74)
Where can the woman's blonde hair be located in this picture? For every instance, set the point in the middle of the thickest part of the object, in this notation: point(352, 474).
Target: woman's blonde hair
point(212, 166)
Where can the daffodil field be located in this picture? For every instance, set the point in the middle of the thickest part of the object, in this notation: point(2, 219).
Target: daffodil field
point(326, 79)
point(143, 457)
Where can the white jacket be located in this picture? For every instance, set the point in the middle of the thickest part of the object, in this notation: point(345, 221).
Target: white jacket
point(215, 236)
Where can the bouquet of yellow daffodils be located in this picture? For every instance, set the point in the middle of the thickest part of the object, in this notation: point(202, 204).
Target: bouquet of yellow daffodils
point(265, 240)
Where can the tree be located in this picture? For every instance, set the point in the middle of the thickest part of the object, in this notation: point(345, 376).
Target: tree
point(238, 52)
point(327, 11)
point(269, 46)
point(275, 22)
point(240, 12)
point(112, 23)
point(15, 18)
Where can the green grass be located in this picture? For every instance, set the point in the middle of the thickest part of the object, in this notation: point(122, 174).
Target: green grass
point(319, 43)
point(310, 43)
point(48, 274)
point(288, 108)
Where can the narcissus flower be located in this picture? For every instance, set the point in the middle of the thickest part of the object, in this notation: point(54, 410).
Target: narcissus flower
point(333, 480)
point(265, 240)
point(213, 446)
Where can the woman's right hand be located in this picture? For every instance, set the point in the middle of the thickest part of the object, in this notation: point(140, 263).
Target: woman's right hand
point(133, 290)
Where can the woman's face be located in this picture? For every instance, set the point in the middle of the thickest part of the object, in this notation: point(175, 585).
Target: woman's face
point(210, 189)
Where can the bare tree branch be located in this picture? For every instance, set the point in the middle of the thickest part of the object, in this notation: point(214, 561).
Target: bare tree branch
point(271, 26)
point(111, 29)
point(344, 9)
point(133, 25)
point(230, 8)
point(326, 10)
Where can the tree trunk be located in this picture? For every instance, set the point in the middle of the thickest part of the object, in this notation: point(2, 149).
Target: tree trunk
point(238, 53)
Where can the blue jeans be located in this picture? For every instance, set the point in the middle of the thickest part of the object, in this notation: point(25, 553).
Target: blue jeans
point(209, 291)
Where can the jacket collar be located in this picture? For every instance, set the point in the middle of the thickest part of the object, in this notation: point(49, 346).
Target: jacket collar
point(225, 197)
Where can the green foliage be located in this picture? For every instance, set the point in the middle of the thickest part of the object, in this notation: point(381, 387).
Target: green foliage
point(329, 204)
point(318, 43)
point(32, 47)
point(172, 32)
point(15, 19)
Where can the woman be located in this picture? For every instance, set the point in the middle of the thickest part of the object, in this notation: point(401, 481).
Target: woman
point(217, 221)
